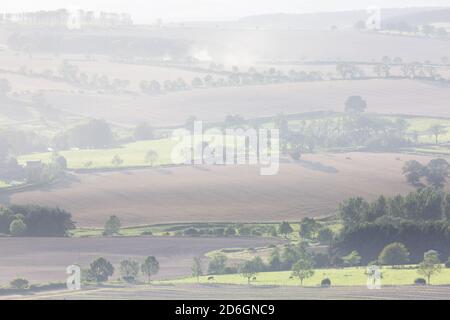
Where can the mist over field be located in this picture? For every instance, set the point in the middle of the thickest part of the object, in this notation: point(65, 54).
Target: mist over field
point(214, 146)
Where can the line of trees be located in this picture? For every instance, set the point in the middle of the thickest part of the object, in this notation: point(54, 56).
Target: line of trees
point(252, 77)
point(100, 270)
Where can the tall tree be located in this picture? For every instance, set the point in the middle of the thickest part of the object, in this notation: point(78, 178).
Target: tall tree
point(437, 172)
point(308, 228)
point(197, 270)
point(285, 228)
point(355, 104)
point(430, 265)
point(150, 267)
point(394, 254)
point(413, 170)
point(101, 269)
point(129, 269)
point(112, 226)
point(303, 268)
point(437, 130)
point(247, 270)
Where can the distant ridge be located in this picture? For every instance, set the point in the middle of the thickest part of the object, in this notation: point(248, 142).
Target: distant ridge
point(345, 19)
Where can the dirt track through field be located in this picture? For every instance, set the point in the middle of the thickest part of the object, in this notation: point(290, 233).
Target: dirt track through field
point(313, 187)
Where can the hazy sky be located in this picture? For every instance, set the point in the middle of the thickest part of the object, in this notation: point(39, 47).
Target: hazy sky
point(185, 10)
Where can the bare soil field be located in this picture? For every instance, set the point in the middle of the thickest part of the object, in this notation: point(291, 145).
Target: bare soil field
point(46, 259)
point(233, 292)
point(313, 186)
point(382, 96)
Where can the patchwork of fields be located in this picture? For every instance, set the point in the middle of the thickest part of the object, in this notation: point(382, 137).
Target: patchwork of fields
point(312, 187)
point(382, 96)
point(54, 81)
point(46, 259)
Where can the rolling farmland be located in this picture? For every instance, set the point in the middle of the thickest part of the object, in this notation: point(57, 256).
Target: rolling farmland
point(382, 96)
point(312, 187)
point(46, 259)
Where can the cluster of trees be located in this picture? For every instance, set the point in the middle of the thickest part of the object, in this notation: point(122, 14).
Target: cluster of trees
point(93, 134)
point(293, 257)
point(310, 229)
point(435, 173)
point(354, 129)
point(426, 204)
point(100, 270)
point(396, 254)
point(10, 168)
point(230, 231)
point(35, 221)
point(420, 220)
point(97, 134)
point(296, 258)
point(17, 142)
point(370, 238)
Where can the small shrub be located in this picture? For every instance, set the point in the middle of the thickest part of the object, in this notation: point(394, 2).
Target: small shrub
point(19, 283)
point(17, 228)
point(147, 233)
point(420, 281)
point(326, 283)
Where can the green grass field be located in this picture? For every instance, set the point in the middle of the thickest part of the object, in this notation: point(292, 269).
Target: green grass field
point(8, 184)
point(4, 184)
point(132, 154)
point(338, 277)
